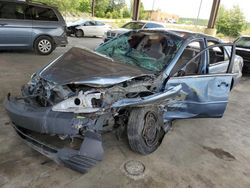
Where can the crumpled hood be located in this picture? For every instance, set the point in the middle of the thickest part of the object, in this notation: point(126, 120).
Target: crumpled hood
point(83, 66)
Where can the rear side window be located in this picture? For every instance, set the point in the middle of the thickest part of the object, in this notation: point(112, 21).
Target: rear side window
point(44, 14)
point(217, 54)
point(243, 42)
point(152, 25)
point(133, 25)
point(89, 23)
point(12, 10)
point(184, 67)
point(99, 23)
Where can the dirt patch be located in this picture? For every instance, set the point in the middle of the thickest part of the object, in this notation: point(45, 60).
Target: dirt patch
point(220, 153)
point(6, 123)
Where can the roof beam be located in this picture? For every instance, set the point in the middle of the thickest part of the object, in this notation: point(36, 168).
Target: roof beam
point(213, 14)
point(136, 8)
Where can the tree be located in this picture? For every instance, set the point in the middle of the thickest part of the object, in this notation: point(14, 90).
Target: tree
point(101, 8)
point(85, 6)
point(230, 22)
point(142, 13)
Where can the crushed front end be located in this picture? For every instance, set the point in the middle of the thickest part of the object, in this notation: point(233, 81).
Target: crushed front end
point(75, 111)
point(34, 118)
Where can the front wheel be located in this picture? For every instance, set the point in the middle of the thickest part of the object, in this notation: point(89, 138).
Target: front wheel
point(79, 33)
point(144, 130)
point(44, 45)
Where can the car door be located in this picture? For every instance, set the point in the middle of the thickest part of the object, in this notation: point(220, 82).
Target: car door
point(203, 94)
point(15, 25)
point(45, 21)
point(89, 28)
point(100, 28)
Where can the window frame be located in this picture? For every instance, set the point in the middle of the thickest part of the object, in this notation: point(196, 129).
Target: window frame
point(231, 57)
point(203, 59)
point(225, 52)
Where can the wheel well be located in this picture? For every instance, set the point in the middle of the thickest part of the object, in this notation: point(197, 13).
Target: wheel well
point(43, 36)
point(81, 30)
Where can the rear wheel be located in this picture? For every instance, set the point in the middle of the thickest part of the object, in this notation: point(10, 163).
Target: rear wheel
point(44, 45)
point(144, 130)
point(79, 33)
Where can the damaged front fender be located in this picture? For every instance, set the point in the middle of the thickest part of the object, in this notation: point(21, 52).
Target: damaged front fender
point(155, 99)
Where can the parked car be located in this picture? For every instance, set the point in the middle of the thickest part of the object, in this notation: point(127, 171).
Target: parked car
point(137, 83)
point(243, 49)
point(31, 26)
point(171, 20)
point(87, 28)
point(133, 25)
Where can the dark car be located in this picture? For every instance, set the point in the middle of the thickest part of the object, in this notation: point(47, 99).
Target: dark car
point(25, 25)
point(243, 50)
point(137, 83)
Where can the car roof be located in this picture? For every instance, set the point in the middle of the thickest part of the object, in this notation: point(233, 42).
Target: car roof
point(30, 3)
point(145, 22)
point(183, 33)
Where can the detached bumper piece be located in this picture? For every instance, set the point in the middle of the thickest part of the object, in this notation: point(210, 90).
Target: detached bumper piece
point(90, 152)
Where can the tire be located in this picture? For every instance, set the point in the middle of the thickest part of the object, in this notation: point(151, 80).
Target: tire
point(144, 130)
point(79, 33)
point(44, 45)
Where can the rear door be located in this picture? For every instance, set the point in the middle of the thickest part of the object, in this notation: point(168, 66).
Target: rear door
point(90, 29)
point(45, 21)
point(101, 28)
point(15, 25)
point(202, 94)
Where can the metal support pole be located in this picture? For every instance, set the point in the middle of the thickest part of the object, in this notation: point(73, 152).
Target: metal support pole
point(213, 14)
point(197, 19)
point(136, 7)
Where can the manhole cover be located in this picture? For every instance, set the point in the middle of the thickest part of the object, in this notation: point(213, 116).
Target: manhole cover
point(134, 168)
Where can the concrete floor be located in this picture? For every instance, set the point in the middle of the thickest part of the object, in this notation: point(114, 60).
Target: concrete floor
point(195, 153)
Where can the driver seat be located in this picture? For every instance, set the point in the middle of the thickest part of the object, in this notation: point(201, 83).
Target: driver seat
point(155, 51)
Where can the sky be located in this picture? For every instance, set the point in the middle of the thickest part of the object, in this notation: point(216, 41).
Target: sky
point(189, 8)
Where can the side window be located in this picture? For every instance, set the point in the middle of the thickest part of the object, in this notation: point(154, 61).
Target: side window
point(89, 23)
point(217, 54)
point(152, 25)
point(243, 42)
point(184, 66)
point(12, 10)
point(99, 23)
point(44, 14)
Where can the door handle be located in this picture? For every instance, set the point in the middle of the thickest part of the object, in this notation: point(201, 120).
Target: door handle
point(223, 83)
point(3, 24)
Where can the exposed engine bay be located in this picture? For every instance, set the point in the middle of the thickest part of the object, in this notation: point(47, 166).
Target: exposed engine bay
point(86, 101)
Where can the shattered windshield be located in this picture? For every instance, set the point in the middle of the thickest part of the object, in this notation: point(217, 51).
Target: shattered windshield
point(148, 50)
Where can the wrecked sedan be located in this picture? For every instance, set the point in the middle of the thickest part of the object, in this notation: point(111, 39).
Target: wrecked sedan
point(137, 83)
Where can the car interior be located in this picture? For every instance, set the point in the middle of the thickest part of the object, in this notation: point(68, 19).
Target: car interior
point(183, 67)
